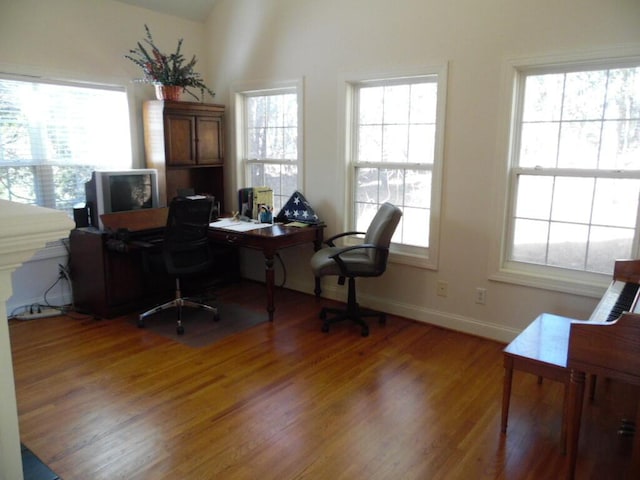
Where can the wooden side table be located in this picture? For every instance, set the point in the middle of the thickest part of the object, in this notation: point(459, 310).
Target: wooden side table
point(541, 349)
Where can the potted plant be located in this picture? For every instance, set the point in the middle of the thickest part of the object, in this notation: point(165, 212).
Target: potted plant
point(171, 74)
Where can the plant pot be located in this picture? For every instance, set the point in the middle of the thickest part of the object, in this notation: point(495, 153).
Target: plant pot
point(168, 92)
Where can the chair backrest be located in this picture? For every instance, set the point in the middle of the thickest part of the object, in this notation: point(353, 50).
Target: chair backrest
point(380, 231)
point(186, 246)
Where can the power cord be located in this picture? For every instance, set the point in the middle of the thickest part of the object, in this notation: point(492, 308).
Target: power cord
point(37, 308)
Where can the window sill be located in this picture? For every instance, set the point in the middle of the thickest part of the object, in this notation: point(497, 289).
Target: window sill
point(418, 261)
point(417, 257)
point(587, 285)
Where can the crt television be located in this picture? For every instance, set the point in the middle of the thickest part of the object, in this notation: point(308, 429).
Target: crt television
point(120, 191)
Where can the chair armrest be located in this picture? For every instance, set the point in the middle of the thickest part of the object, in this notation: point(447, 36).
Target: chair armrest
point(329, 241)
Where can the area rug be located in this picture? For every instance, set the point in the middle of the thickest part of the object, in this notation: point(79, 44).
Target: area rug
point(33, 468)
point(200, 329)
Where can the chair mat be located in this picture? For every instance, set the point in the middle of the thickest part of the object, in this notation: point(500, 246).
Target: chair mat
point(33, 468)
point(200, 329)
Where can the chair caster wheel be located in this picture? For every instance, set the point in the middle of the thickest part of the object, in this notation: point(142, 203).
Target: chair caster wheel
point(180, 330)
point(325, 328)
point(365, 332)
point(216, 317)
point(140, 323)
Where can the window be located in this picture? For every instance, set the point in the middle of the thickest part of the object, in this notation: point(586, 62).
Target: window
point(53, 135)
point(575, 168)
point(270, 139)
point(396, 155)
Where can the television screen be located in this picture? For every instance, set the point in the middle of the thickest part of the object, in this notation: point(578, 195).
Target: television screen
point(130, 192)
point(121, 191)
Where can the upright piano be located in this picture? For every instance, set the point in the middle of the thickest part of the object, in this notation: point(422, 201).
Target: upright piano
point(606, 345)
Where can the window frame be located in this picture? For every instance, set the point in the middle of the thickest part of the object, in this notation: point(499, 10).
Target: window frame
point(544, 277)
point(421, 257)
point(240, 92)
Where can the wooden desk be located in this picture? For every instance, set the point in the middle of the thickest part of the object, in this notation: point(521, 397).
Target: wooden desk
point(541, 349)
point(108, 278)
point(269, 240)
point(109, 281)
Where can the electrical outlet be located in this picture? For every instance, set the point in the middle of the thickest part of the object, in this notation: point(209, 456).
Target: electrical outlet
point(442, 288)
point(481, 296)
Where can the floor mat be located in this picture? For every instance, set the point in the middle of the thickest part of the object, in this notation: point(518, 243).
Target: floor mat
point(33, 468)
point(200, 329)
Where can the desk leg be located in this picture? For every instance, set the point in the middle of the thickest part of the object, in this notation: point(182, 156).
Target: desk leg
point(565, 418)
point(269, 281)
point(506, 391)
point(317, 245)
point(576, 397)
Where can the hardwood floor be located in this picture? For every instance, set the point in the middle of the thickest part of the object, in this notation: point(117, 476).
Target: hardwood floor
point(102, 399)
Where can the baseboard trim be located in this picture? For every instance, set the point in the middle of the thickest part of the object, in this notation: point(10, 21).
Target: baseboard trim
point(438, 318)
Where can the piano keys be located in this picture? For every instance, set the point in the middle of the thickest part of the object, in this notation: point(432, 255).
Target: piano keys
point(620, 297)
point(622, 294)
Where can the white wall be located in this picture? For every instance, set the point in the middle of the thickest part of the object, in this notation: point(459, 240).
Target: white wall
point(325, 41)
point(36, 279)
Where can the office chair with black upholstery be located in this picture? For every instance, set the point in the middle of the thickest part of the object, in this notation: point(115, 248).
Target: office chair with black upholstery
point(366, 260)
point(185, 250)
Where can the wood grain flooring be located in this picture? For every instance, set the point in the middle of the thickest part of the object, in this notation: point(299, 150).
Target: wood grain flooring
point(102, 399)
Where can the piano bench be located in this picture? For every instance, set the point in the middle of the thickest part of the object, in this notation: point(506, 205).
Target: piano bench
point(541, 349)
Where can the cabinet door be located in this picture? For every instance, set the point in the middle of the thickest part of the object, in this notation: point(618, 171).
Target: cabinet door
point(180, 139)
point(209, 135)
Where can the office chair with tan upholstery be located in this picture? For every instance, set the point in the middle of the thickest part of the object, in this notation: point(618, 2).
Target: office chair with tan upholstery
point(366, 260)
point(185, 250)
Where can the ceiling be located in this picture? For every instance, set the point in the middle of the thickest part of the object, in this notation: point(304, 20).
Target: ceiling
point(197, 10)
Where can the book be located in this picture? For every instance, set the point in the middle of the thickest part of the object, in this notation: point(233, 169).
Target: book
point(245, 203)
point(262, 201)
